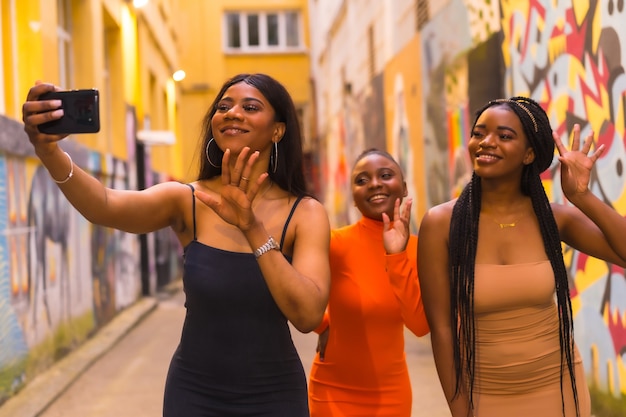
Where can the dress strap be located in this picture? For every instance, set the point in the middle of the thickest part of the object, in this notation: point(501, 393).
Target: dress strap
point(293, 209)
point(193, 210)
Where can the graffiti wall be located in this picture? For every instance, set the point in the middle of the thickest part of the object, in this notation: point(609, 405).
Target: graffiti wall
point(402, 98)
point(570, 57)
point(359, 125)
point(61, 278)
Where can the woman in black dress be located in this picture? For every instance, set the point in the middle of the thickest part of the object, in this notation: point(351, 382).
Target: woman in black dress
point(255, 248)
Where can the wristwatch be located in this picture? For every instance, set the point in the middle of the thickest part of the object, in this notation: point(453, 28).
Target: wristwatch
point(266, 247)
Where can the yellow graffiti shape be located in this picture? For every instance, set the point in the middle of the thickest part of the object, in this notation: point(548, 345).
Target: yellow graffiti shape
point(577, 72)
point(619, 204)
point(621, 371)
point(619, 119)
point(556, 46)
point(577, 304)
point(595, 269)
point(598, 112)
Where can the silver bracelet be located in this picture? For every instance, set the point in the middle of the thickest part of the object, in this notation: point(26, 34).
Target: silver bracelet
point(70, 175)
point(266, 247)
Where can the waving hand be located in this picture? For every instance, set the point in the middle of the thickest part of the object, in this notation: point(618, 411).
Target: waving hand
point(396, 234)
point(576, 163)
point(238, 191)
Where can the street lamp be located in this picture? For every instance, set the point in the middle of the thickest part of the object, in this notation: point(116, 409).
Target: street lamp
point(179, 75)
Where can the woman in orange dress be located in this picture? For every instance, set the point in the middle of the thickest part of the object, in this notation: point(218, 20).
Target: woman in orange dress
point(360, 368)
point(495, 285)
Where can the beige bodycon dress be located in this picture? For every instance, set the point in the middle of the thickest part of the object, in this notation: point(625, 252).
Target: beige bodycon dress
point(517, 345)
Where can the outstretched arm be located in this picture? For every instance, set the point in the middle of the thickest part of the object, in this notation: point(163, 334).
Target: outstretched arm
point(592, 226)
point(121, 209)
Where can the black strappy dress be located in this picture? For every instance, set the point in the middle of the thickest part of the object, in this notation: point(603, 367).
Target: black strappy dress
point(236, 356)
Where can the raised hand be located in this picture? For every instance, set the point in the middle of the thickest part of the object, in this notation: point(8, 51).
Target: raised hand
point(238, 190)
point(35, 112)
point(396, 234)
point(576, 163)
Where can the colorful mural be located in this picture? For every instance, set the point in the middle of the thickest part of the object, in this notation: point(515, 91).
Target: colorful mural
point(570, 57)
point(61, 278)
point(52, 295)
point(360, 125)
point(402, 95)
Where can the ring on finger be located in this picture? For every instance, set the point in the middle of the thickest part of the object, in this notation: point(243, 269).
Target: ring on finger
point(244, 178)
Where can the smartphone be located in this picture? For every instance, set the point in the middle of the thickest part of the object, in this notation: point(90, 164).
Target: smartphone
point(81, 112)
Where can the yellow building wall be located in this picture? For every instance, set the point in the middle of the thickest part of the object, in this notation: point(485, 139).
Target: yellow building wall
point(113, 51)
point(207, 65)
point(403, 113)
point(130, 55)
point(113, 47)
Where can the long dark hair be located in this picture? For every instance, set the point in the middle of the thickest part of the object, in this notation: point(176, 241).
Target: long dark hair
point(289, 173)
point(464, 237)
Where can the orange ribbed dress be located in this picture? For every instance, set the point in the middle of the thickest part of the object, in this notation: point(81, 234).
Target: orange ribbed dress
point(372, 297)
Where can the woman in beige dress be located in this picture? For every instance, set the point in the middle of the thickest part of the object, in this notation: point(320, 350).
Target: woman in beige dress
point(492, 274)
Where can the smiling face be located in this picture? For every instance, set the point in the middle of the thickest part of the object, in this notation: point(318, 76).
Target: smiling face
point(498, 145)
point(377, 182)
point(244, 117)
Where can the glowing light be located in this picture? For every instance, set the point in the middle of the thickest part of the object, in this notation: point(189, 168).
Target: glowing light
point(179, 75)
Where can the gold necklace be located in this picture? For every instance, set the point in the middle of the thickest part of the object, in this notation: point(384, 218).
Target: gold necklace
point(505, 225)
point(509, 224)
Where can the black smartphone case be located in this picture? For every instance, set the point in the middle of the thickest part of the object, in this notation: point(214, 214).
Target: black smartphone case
point(81, 112)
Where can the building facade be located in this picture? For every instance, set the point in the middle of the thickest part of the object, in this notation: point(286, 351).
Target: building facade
point(416, 72)
point(225, 38)
point(62, 278)
point(58, 288)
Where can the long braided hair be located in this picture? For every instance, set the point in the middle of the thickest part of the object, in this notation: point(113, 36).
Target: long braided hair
point(464, 238)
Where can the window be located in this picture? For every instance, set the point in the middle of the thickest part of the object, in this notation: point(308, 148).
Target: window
point(262, 31)
point(253, 30)
point(233, 35)
point(293, 29)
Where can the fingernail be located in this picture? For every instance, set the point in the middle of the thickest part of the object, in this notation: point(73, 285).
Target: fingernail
point(57, 113)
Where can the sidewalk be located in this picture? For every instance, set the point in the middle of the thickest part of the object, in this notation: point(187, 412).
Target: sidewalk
point(45, 388)
point(121, 371)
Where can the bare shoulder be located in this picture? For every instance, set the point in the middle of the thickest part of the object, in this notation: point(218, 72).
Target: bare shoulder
point(180, 197)
point(311, 230)
point(566, 215)
point(439, 215)
point(310, 203)
point(312, 211)
point(171, 186)
point(311, 220)
point(171, 190)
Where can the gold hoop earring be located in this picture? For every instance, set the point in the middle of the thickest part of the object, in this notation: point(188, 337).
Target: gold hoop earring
point(274, 158)
point(208, 145)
